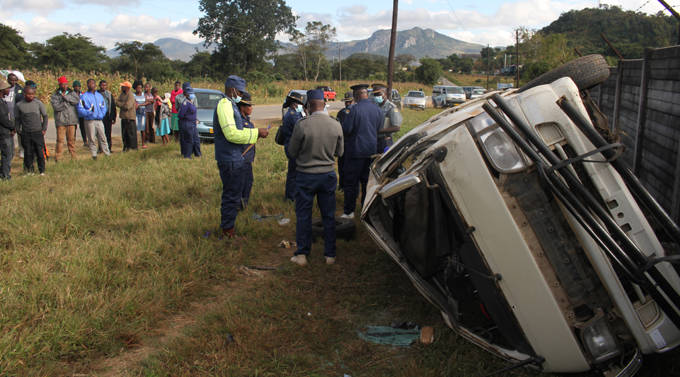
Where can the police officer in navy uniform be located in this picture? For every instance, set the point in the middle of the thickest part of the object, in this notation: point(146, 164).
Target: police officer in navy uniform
point(316, 141)
point(231, 137)
point(295, 104)
point(392, 115)
point(245, 107)
point(342, 114)
point(360, 129)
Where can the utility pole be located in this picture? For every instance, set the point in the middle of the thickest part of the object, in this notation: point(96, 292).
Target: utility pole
point(517, 58)
point(674, 13)
point(339, 62)
point(611, 46)
point(393, 41)
point(488, 55)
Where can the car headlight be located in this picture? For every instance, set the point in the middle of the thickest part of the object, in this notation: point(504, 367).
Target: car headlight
point(599, 341)
point(501, 151)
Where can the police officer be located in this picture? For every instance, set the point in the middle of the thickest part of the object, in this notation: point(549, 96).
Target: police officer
point(294, 103)
point(342, 114)
point(231, 140)
point(245, 107)
point(360, 129)
point(315, 142)
point(392, 115)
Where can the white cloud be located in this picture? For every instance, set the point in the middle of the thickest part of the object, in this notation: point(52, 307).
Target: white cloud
point(33, 6)
point(121, 28)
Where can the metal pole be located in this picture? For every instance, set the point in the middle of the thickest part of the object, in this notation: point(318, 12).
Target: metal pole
point(488, 60)
point(517, 59)
point(674, 13)
point(617, 98)
point(340, 60)
point(642, 113)
point(393, 41)
point(611, 46)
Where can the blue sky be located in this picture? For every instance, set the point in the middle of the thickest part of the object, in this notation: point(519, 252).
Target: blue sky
point(107, 21)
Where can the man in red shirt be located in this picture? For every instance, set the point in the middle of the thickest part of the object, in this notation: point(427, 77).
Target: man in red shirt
point(174, 120)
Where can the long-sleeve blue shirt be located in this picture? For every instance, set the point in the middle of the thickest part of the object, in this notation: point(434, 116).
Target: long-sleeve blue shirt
point(360, 129)
point(288, 126)
point(187, 113)
point(92, 106)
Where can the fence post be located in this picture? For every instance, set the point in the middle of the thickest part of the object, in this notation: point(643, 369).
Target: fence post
point(642, 112)
point(617, 98)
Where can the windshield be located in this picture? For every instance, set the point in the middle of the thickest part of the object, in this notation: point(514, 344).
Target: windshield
point(455, 90)
point(478, 91)
point(208, 100)
point(415, 94)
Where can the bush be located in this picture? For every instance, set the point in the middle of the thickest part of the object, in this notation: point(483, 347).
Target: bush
point(429, 71)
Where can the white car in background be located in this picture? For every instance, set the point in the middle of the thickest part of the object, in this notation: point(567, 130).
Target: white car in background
point(477, 93)
point(514, 218)
point(415, 99)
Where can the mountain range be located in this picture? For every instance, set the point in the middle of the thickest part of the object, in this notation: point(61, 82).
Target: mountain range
point(416, 41)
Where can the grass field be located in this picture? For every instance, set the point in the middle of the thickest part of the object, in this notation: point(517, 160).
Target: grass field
point(477, 79)
point(112, 267)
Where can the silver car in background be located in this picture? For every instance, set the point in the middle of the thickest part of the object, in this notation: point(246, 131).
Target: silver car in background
point(206, 103)
point(415, 99)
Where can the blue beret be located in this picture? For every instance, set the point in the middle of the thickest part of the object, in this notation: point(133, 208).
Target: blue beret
point(315, 94)
point(186, 85)
point(236, 82)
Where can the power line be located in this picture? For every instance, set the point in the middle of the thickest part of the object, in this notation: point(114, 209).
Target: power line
point(643, 5)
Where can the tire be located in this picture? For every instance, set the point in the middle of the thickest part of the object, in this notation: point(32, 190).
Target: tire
point(344, 229)
point(586, 71)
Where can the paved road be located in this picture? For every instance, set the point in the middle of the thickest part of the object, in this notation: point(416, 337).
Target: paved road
point(260, 112)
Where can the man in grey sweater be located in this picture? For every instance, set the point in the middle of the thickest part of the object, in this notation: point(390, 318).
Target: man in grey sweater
point(316, 141)
point(31, 122)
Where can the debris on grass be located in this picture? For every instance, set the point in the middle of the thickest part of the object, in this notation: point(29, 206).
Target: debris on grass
point(284, 221)
point(258, 217)
point(427, 335)
point(287, 244)
point(390, 336)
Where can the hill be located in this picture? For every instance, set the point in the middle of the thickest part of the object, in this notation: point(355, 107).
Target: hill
point(416, 41)
point(173, 48)
point(630, 32)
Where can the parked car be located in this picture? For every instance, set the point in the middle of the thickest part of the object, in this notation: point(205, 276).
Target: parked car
point(206, 103)
point(303, 93)
point(446, 95)
point(415, 99)
point(514, 218)
point(328, 93)
point(477, 93)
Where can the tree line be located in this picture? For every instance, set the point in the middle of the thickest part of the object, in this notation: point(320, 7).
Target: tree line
point(242, 35)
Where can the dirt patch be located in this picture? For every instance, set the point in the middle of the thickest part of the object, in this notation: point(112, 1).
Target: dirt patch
point(173, 327)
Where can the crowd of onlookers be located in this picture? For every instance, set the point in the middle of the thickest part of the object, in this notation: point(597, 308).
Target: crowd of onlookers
point(142, 111)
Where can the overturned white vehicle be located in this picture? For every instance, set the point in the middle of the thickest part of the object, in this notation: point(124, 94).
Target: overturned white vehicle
point(512, 215)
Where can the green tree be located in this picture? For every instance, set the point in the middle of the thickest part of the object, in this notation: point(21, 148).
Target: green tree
point(143, 60)
point(362, 66)
point(71, 52)
point(404, 60)
point(429, 71)
point(200, 65)
point(312, 45)
point(243, 31)
point(13, 48)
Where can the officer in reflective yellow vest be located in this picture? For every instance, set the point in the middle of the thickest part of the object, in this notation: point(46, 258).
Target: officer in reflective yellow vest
point(230, 138)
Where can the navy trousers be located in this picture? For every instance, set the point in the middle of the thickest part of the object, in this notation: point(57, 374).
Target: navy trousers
point(290, 179)
point(355, 173)
point(247, 182)
point(232, 175)
point(7, 154)
point(189, 141)
point(307, 187)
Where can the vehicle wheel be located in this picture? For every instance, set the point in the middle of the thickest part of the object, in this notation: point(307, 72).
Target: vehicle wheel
point(344, 229)
point(586, 71)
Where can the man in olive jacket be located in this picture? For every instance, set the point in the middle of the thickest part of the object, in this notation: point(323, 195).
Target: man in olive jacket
point(64, 102)
point(6, 132)
point(128, 127)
